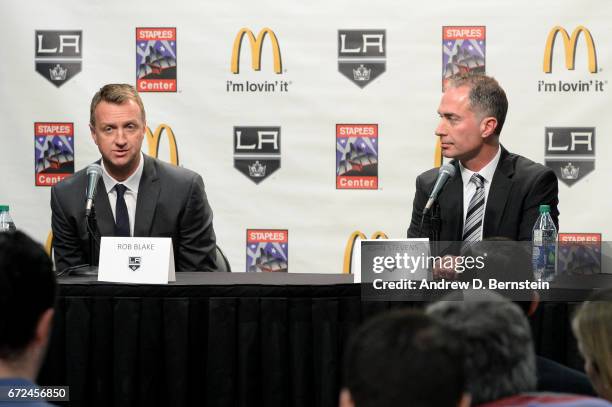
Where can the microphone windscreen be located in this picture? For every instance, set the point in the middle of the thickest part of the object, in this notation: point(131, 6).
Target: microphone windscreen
point(94, 169)
point(449, 169)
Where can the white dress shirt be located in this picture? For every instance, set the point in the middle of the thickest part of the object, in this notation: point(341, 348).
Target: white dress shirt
point(131, 193)
point(469, 188)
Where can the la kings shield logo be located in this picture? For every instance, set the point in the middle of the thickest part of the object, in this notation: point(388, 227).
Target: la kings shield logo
point(362, 55)
point(58, 54)
point(570, 152)
point(257, 151)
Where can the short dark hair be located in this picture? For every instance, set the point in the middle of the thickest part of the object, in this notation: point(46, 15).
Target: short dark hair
point(486, 96)
point(496, 337)
point(404, 358)
point(27, 290)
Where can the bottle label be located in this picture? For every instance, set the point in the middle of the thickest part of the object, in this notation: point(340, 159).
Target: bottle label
point(537, 237)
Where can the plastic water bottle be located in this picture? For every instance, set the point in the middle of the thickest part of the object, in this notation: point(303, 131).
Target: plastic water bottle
point(6, 222)
point(544, 246)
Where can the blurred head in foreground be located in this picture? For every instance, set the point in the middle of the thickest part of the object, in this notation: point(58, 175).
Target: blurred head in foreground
point(592, 325)
point(496, 338)
point(27, 296)
point(403, 358)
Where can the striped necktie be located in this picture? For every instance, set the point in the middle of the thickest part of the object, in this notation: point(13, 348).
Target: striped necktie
point(473, 220)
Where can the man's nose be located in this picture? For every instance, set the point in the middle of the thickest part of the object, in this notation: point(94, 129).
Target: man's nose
point(441, 129)
point(120, 138)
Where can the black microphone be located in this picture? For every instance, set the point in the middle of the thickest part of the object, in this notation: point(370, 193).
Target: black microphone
point(94, 172)
point(446, 172)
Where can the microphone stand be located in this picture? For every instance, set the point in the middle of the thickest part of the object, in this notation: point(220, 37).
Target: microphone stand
point(434, 230)
point(94, 239)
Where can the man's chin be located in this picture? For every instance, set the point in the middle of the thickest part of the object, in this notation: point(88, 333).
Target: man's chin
point(120, 164)
point(449, 154)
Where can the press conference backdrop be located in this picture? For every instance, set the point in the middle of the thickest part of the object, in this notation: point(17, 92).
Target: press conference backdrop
point(321, 134)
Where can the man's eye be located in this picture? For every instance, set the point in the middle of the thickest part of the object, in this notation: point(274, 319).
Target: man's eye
point(108, 129)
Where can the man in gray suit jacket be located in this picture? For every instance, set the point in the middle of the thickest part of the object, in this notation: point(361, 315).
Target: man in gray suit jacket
point(137, 195)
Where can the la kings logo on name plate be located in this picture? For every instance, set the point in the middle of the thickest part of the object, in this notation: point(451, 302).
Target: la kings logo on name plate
point(134, 263)
point(362, 55)
point(257, 151)
point(267, 250)
point(58, 54)
point(570, 152)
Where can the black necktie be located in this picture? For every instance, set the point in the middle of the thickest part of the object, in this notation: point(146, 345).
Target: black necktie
point(122, 220)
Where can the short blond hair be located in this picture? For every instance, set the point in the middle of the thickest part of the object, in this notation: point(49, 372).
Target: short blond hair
point(592, 326)
point(116, 93)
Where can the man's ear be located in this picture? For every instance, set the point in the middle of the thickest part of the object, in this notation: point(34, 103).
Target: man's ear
point(43, 328)
point(345, 398)
point(466, 400)
point(92, 130)
point(488, 126)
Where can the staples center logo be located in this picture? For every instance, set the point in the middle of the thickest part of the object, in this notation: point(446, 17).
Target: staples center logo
point(569, 44)
point(256, 48)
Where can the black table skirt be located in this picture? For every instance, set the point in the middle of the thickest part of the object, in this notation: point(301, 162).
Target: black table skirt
point(223, 345)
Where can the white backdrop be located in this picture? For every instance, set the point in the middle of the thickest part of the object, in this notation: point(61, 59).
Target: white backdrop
point(302, 196)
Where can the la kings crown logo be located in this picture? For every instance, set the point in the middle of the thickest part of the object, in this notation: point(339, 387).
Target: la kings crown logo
point(362, 55)
point(570, 152)
point(58, 54)
point(257, 151)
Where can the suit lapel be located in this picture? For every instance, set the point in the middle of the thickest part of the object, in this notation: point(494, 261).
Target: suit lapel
point(498, 194)
point(148, 193)
point(104, 214)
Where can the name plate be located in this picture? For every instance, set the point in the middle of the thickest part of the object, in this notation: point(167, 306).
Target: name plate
point(376, 255)
point(140, 260)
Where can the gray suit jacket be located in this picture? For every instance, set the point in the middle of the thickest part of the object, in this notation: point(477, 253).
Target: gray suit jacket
point(171, 203)
point(518, 189)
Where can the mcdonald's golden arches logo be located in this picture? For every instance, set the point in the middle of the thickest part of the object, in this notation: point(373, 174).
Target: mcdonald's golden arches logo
point(569, 45)
point(256, 48)
point(154, 138)
point(350, 248)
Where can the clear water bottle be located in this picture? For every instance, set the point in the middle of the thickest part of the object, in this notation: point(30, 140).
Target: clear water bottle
point(544, 246)
point(6, 222)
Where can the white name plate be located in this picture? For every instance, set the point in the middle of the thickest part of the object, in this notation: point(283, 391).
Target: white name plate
point(140, 260)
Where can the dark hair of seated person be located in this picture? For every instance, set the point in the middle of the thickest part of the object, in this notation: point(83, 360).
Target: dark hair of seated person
point(27, 290)
point(404, 358)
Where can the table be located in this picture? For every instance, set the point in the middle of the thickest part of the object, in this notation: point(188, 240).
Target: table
point(224, 339)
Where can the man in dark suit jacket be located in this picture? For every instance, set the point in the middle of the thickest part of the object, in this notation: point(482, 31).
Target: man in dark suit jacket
point(511, 188)
point(136, 196)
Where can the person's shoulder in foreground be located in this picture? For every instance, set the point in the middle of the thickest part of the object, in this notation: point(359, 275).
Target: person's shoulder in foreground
point(548, 399)
point(27, 298)
point(19, 394)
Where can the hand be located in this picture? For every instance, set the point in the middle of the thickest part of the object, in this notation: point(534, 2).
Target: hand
point(445, 269)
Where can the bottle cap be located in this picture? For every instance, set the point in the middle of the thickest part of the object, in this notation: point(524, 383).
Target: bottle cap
point(544, 208)
point(4, 208)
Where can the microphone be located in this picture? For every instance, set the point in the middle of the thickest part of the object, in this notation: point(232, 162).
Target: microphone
point(94, 172)
point(446, 171)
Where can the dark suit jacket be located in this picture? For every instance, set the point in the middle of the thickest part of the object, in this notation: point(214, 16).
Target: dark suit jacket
point(518, 189)
point(171, 203)
point(555, 377)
